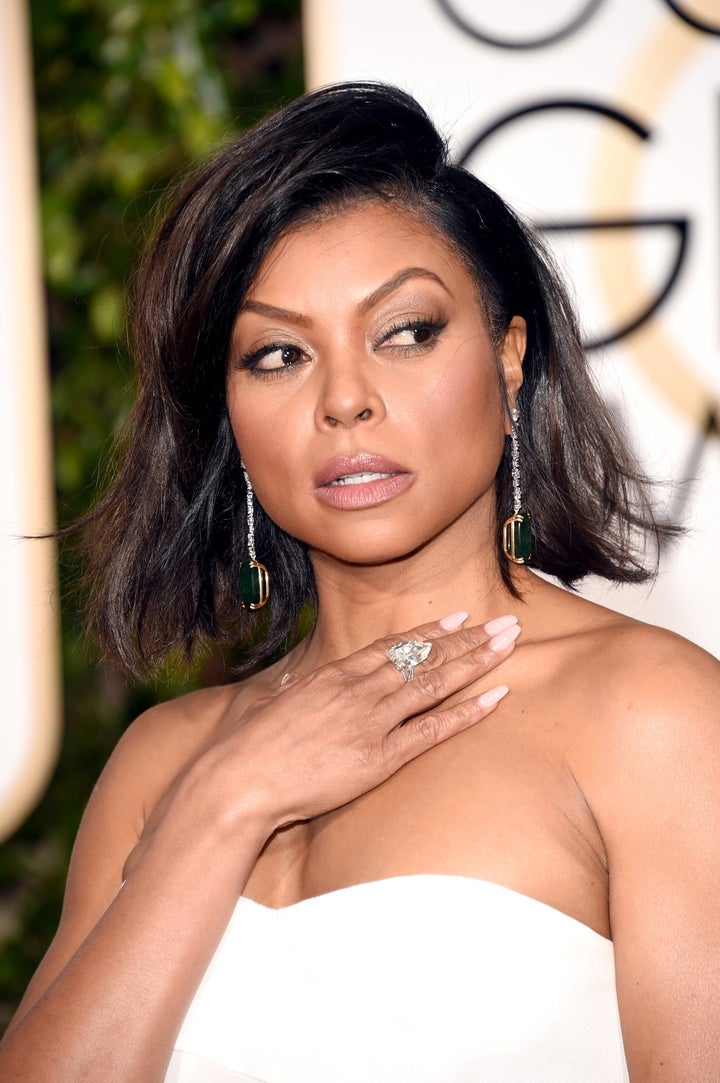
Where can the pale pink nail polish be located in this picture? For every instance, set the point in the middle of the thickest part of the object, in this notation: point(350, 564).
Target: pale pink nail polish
point(500, 624)
point(493, 696)
point(453, 621)
point(502, 640)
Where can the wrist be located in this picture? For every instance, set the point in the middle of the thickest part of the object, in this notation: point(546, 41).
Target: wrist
point(234, 808)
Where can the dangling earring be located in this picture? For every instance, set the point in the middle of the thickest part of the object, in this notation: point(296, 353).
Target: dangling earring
point(516, 531)
point(254, 577)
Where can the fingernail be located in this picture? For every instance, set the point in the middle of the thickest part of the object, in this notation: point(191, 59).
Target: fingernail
point(285, 678)
point(493, 696)
point(453, 621)
point(500, 624)
point(503, 640)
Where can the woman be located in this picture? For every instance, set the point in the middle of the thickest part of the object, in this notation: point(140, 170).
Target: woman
point(469, 827)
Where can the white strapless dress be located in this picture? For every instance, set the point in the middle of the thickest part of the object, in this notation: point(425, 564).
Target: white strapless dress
point(415, 979)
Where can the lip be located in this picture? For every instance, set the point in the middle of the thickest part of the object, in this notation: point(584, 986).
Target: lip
point(363, 463)
point(394, 479)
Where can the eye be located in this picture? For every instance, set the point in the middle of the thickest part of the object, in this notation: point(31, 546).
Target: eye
point(274, 357)
point(410, 336)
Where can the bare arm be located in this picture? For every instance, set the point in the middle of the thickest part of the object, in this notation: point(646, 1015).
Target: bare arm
point(653, 775)
point(109, 998)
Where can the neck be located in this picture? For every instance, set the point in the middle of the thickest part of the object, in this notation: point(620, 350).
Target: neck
point(360, 603)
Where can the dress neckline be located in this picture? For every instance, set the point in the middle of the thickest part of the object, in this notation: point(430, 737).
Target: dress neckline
point(412, 881)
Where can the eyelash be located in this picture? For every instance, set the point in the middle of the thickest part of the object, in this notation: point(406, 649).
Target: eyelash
point(251, 360)
point(435, 327)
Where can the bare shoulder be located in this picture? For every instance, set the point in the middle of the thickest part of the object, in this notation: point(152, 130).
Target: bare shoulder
point(646, 680)
point(151, 754)
point(636, 701)
point(627, 671)
point(158, 744)
point(647, 759)
point(156, 748)
point(166, 739)
point(646, 754)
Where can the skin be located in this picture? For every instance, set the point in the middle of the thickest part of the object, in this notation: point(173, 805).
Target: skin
point(593, 786)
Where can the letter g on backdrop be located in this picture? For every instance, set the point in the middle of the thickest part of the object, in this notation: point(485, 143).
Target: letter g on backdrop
point(599, 120)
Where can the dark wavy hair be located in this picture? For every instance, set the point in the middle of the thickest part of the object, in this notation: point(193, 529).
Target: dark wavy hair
point(167, 538)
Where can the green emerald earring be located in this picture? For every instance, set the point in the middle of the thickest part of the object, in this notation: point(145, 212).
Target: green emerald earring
point(254, 577)
point(516, 531)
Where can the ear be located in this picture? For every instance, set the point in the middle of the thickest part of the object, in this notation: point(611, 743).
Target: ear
point(511, 354)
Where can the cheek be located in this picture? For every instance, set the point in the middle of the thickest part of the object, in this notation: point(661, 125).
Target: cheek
point(253, 436)
point(465, 401)
point(255, 427)
point(270, 449)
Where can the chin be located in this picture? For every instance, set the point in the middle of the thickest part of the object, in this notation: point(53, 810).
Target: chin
point(368, 553)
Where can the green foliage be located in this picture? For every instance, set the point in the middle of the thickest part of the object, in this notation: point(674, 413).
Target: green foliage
point(129, 95)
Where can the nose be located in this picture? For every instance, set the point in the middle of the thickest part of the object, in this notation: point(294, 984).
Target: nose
point(348, 395)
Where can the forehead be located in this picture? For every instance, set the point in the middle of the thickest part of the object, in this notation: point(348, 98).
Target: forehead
point(359, 248)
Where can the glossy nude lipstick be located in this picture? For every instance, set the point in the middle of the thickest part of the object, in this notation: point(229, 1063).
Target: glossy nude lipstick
point(351, 483)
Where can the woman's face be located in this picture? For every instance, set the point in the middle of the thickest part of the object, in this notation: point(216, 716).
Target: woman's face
point(363, 388)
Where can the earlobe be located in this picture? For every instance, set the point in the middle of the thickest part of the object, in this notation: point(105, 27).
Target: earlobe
point(512, 353)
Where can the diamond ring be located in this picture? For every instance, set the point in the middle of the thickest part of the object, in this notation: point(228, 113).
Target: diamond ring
point(408, 654)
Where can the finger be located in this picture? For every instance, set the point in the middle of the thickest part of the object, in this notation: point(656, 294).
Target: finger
point(424, 731)
point(448, 637)
point(448, 644)
point(433, 685)
point(288, 679)
point(434, 678)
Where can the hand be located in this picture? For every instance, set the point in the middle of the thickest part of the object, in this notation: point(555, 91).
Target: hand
point(323, 739)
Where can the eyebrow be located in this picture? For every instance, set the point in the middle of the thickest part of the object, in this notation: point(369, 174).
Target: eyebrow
point(365, 306)
point(274, 313)
point(395, 283)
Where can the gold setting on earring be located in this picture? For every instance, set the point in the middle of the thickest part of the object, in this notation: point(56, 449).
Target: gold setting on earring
point(254, 584)
point(517, 538)
point(254, 576)
point(516, 531)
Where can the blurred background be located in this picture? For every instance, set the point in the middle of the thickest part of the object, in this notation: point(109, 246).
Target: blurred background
point(597, 119)
point(128, 95)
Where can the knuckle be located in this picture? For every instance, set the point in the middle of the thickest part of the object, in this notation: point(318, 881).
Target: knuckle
point(467, 711)
point(341, 691)
point(366, 756)
point(470, 638)
point(482, 655)
point(372, 756)
point(331, 682)
point(429, 728)
point(431, 682)
point(354, 665)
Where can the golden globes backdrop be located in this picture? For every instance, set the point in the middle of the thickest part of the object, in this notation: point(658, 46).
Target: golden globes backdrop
point(599, 120)
point(28, 653)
